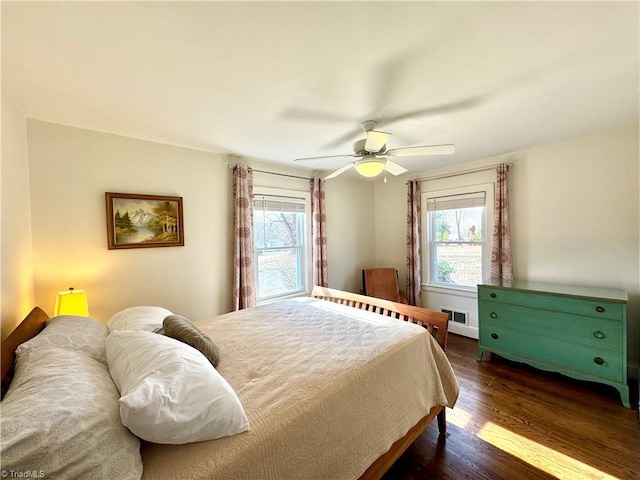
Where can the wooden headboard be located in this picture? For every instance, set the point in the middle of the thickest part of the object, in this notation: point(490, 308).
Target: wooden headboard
point(436, 322)
point(27, 329)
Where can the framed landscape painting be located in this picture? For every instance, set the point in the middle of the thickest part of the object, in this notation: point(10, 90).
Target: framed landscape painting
point(142, 221)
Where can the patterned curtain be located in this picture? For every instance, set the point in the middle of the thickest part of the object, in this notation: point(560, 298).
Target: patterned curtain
point(319, 233)
point(414, 235)
point(244, 278)
point(501, 261)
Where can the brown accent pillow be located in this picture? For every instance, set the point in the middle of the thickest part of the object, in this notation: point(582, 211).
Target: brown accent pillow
point(180, 328)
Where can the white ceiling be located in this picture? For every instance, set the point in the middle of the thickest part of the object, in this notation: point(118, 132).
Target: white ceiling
point(276, 81)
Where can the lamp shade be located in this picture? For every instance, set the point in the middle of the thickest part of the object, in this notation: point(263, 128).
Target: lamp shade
point(369, 168)
point(71, 302)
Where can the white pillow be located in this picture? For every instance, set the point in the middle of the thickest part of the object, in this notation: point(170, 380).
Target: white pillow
point(170, 393)
point(138, 318)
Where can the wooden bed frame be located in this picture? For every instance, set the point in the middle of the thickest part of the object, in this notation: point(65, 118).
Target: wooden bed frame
point(26, 330)
point(435, 322)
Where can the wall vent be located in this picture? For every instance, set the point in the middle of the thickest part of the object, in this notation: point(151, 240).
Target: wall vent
point(456, 316)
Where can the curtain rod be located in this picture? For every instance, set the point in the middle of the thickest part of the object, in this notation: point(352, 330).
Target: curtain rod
point(274, 173)
point(463, 172)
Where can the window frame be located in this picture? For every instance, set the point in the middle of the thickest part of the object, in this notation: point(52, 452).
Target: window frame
point(428, 282)
point(306, 262)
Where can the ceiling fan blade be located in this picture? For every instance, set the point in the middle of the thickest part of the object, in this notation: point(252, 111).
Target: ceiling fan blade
point(465, 104)
point(385, 79)
point(375, 141)
point(316, 115)
point(349, 136)
point(393, 168)
point(426, 150)
point(339, 171)
point(344, 157)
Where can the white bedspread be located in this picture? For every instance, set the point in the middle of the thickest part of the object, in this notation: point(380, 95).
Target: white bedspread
point(327, 390)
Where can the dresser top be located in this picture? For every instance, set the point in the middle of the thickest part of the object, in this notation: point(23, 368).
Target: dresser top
point(609, 294)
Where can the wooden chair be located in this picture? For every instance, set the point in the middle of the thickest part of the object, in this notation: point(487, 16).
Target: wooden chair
point(382, 283)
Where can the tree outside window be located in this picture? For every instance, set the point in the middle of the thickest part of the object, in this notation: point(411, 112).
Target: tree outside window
point(456, 243)
point(279, 226)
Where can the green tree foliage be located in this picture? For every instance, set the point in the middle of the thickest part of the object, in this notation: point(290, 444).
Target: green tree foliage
point(123, 223)
point(165, 219)
point(444, 272)
point(443, 229)
point(476, 236)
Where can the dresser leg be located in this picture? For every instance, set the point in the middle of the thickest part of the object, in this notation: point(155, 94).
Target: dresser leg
point(624, 395)
point(479, 357)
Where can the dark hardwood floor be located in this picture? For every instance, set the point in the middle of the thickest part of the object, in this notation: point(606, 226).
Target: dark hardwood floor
point(514, 422)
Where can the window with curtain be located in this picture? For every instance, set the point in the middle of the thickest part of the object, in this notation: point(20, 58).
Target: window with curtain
point(281, 226)
point(458, 250)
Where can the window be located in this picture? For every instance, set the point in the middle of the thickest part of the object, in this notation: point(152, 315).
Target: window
point(457, 246)
point(280, 234)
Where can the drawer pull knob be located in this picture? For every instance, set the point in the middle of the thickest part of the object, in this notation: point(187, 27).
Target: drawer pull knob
point(598, 360)
point(600, 309)
point(493, 315)
point(493, 295)
point(599, 334)
point(494, 336)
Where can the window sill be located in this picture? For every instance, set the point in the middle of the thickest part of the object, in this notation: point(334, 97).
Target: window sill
point(283, 297)
point(460, 291)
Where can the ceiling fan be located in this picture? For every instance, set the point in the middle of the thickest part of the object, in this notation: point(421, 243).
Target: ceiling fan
point(371, 157)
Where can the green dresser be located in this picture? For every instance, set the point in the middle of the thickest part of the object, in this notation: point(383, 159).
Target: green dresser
point(580, 332)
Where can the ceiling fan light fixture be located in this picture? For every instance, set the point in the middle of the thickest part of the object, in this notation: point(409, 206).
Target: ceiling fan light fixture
point(370, 167)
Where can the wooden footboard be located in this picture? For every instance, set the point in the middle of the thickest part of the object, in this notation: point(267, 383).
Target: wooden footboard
point(436, 322)
point(385, 461)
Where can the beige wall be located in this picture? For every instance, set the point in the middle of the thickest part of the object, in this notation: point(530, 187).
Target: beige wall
point(16, 259)
point(350, 231)
point(391, 225)
point(574, 215)
point(72, 168)
point(575, 211)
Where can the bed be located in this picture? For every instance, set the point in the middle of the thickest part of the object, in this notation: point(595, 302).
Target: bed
point(333, 386)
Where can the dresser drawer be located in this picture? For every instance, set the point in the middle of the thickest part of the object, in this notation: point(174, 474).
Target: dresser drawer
point(593, 331)
point(553, 353)
point(577, 305)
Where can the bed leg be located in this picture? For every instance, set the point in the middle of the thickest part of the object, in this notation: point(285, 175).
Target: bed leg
point(442, 421)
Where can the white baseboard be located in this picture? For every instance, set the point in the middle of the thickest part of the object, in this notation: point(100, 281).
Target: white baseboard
point(464, 330)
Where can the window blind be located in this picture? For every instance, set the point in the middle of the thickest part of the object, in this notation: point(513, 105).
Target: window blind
point(454, 202)
point(278, 204)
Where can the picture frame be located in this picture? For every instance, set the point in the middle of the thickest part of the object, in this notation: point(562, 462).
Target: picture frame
point(144, 221)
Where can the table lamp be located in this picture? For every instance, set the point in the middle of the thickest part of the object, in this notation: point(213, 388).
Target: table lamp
point(71, 302)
